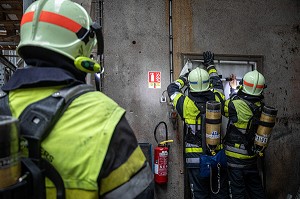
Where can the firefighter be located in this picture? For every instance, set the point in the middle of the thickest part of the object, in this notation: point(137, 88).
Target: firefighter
point(203, 86)
point(92, 145)
point(243, 110)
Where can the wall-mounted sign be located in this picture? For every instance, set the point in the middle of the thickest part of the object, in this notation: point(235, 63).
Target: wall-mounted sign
point(154, 79)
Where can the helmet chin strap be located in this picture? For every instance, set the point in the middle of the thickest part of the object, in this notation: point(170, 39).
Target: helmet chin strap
point(100, 41)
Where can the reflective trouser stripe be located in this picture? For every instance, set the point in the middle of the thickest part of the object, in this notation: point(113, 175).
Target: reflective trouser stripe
point(236, 165)
point(192, 155)
point(237, 155)
point(193, 150)
point(237, 150)
point(134, 187)
point(192, 160)
point(200, 150)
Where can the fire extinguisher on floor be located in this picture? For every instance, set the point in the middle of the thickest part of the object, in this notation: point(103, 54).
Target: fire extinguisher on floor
point(161, 153)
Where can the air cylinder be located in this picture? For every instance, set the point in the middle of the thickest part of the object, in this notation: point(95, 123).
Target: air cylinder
point(266, 124)
point(213, 125)
point(10, 166)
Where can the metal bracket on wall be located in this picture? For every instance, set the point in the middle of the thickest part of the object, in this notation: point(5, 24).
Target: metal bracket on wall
point(255, 60)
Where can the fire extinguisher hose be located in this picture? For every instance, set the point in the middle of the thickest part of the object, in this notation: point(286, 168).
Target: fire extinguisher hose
point(155, 130)
point(166, 140)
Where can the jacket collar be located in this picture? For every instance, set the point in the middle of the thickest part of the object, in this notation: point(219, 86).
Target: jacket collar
point(39, 77)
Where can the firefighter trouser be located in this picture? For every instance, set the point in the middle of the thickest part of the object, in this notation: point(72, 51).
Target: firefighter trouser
point(200, 186)
point(245, 182)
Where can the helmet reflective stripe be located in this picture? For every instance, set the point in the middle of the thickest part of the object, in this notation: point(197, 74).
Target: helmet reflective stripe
point(27, 17)
point(198, 80)
point(61, 26)
point(203, 82)
point(56, 19)
point(253, 83)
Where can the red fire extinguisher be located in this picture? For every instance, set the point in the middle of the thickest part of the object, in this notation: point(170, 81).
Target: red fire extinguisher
point(161, 153)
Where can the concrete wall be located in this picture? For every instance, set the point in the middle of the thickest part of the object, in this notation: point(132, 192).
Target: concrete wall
point(137, 41)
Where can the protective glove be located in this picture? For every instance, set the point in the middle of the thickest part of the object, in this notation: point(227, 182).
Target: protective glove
point(208, 58)
point(183, 81)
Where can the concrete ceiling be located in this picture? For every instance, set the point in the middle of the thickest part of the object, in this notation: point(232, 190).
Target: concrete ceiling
point(10, 16)
point(11, 12)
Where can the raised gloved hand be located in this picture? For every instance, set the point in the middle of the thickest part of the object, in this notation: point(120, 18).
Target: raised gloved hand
point(208, 58)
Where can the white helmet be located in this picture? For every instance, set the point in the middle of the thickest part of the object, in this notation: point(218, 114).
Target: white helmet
point(61, 26)
point(198, 80)
point(253, 83)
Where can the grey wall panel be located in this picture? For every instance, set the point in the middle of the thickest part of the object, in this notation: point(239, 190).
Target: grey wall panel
point(136, 42)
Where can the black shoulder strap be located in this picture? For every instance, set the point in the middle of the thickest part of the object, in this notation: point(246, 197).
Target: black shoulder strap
point(4, 106)
point(219, 96)
point(37, 120)
point(254, 108)
point(201, 106)
point(254, 120)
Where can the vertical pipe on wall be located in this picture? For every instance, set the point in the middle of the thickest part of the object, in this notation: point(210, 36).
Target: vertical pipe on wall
point(99, 19)
point(171, 41)
point(102, 56)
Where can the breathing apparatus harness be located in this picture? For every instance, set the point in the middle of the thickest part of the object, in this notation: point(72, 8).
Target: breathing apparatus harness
point(36, 122)
point(209, 159)
point(199, 134)
point(252, 125)
point(207, 162)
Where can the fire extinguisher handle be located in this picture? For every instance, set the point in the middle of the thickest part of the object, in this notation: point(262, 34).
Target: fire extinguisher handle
point(165, 142)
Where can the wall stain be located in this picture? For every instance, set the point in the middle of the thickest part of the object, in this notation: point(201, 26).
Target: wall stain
point(285, 120)
point(294, 50)
point(296, 28)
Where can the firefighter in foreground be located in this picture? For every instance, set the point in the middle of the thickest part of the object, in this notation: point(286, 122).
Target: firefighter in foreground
point(92, 145)
point(243, 109)
point(203, 86)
